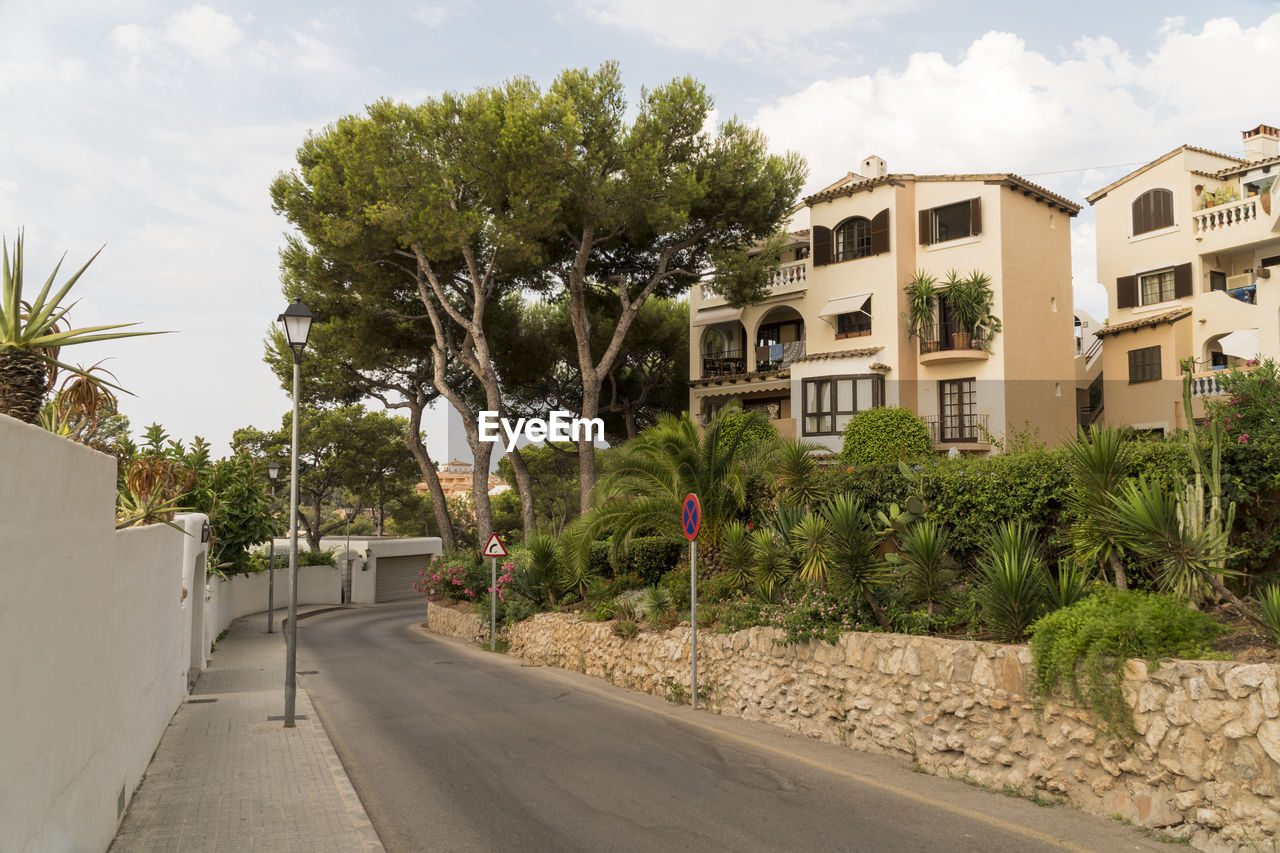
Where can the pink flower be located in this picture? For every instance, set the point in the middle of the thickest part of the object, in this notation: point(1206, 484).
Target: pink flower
point(1244, 439)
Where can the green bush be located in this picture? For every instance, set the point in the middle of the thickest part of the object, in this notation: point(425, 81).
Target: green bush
point(1013, 590)
point(876, 487)
point(598, 562)
point(1085, 646)
point(650, 557)
point(885, 435)
point(676, 583)
point(747, 428)
point(315, 558)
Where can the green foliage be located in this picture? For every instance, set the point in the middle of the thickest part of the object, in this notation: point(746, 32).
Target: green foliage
point(1013, 591)
point(1270, 599)
point(922, 292)
point(655, 605)
point(1067, 587)
point(884, 435)
point(818, 614)
point(926, 567)
point(240, 512)
point(650, 557)
point(1083, 648)
point(676, 585)
point(537, 575)
point(626, 628)
point(740, 430)
point(771, 562)
point(798, 478)
point(315, 558)
point(517, 608)
point(735, 554)
point(876, 487)
point(553, 478)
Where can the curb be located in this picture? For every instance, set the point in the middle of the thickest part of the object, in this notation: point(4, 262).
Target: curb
point(369, 841)
point(285, 621)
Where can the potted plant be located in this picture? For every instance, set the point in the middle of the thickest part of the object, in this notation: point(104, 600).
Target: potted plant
point(970, 302)
point(921, 292)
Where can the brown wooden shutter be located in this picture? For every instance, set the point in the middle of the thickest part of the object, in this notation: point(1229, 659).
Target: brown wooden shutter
point(1140, 218)
point(821, 246)
point(1181, 281)
point(1126, 291)
point(975, 216)
point(880, 232)
point(926, 227)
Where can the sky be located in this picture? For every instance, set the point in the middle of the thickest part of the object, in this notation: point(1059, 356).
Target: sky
point(155, 128)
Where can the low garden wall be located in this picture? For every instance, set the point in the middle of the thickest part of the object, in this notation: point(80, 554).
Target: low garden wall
point(457, 623)
point(1206, 764)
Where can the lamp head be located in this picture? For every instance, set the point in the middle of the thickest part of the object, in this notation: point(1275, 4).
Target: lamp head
point(297, 324)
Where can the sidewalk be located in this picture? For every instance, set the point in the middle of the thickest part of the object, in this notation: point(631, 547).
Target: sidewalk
point(226, 779)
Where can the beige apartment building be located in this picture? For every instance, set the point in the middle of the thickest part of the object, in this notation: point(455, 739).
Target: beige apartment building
point(1187, 249)
point(831, 339)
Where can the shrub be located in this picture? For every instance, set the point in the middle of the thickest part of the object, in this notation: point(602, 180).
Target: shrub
point(1012, 593)
point(752, 428)
point(655, 604)
point(876, 487)
point(598, 562)
point(1270, 598)
point(517, 609)
point(649, 557)
point(819, 614)
point(885, 435)
point(676, 584)
point(1086, 645)
point(927, 575)
point(315, 558)
point(626, 628)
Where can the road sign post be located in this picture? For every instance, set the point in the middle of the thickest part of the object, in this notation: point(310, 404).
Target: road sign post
point(690, 523)
point(493, 549)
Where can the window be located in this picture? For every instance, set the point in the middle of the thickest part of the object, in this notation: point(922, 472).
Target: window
point(852, 240)
point(1156, 287)
point(951, 222)
point(831, 401)
point(855, 323)
point(1217, 280)
point(1144, 364)
point(957, 403)
point(1152, 210)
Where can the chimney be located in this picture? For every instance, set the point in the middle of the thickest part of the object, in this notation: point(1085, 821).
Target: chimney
point(875, 167)
point(1261, 143)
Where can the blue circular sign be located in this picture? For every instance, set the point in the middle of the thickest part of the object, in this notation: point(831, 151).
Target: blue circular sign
point(691, 516)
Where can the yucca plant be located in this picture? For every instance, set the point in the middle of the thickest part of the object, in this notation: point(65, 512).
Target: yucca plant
point(922, 553)
point(1012, 595)
point(1099, 465)
point(922, 292)
point(809, 538)
point(538, 578)
point(798, 479)
point(735, 553)
point(1270, 599)
point(1070, 586)
point(771, 563)
point(854, 565)
point(31, 333)
point(655, 605)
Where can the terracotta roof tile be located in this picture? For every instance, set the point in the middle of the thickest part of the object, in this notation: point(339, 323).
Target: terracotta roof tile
point(844, 353)
point(1143, 322)
point(1009, 179)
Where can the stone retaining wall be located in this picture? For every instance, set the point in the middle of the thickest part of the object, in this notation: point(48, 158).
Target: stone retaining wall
point(1206, 765)
point(456, 623)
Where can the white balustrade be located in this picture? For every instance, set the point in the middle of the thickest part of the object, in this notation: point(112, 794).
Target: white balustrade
point(1226, 215)
point(792, 273)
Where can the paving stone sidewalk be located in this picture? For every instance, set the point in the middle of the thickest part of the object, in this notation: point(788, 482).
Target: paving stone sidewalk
point(226, 779)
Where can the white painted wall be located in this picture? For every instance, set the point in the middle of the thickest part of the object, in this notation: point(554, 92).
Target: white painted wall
point(95, 636)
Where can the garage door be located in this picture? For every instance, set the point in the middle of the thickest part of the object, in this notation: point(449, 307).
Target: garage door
point(397, 575)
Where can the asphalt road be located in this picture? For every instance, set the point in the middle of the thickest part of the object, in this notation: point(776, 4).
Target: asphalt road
point(452, 748)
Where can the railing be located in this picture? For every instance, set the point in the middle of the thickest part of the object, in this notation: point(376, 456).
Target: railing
point(957, 428)
point(727, 363)
point(1226, 215)
point(1204, 383)
point(778, 356)
point(1086, 415)
point(942, 337)
point(1094, 349)
point(792, 273)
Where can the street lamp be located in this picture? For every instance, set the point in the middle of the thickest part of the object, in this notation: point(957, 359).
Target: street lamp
point(297, 326)
point(273, 473)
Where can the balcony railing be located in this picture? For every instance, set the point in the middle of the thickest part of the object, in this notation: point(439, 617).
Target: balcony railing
point(1204, 383)
point(778, 356)
point(726, 363)
point(1226, 215)
point(957, 428)
point(1092, 352)
point(792, 273)
point(943, 337)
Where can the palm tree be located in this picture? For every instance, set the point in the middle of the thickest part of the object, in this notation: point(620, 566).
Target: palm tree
point(31, 334)
point(1099, 466)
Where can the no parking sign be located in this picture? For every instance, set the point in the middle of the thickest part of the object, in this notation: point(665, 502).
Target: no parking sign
point(691, 516)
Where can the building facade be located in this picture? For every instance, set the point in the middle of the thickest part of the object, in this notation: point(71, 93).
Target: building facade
point(1187, 249)
point(833, 338)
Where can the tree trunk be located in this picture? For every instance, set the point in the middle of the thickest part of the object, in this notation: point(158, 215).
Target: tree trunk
point(586, 443)
point(24, 378)
point(877, 610)
point(524, 486)
point(413, 440)
point(1117, 568)
point(481, 453)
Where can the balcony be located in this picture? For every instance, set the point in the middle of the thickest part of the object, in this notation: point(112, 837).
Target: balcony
point(726, 363)
point(943, 342)
point(1237, 223)
point(778, 356)
point(1204, 383)
point(789, 274)
point(966, 430)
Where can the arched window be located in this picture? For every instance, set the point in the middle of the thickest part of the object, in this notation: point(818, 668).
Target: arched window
point(852, 239)
point(1152, 211)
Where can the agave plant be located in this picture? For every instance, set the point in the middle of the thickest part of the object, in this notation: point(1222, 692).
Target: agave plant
point(810, 537)
point(1012, 595)
point(1070, 585)
point(31, 333)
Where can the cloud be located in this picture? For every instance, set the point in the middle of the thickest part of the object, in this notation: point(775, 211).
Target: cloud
point(742, 26)
point(431, 16)
point(999, 106)
point(203, 33)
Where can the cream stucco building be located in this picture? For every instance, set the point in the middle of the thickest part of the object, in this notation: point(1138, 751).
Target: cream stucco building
point(1187, 249)
point(831, 339)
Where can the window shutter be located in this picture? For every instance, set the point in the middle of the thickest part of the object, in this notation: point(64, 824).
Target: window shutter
point(975, 216)
point(1182, 280)
point(1126, 291)
point(880, 232)
point(926, 227)
point(821, 246)
point(1140, 218)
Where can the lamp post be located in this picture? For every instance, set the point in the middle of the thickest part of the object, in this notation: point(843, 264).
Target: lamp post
point(297, 326)
point(273, 472)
